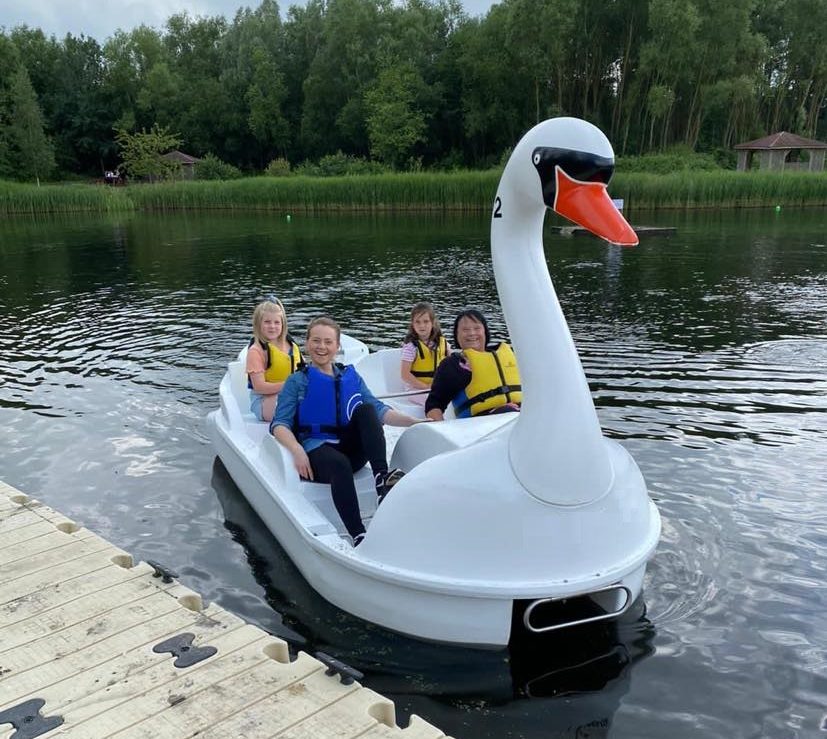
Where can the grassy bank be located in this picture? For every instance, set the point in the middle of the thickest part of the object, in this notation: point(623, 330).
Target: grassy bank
point(16, 198)
point(457, 191)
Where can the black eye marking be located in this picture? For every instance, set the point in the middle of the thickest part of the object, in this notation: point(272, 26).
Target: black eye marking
point(582, 166)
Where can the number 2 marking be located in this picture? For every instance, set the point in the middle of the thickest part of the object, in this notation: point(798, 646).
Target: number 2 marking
point(498, 207)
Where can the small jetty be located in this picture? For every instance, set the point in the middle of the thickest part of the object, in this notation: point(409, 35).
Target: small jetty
point(93, 645)
point(641, 231)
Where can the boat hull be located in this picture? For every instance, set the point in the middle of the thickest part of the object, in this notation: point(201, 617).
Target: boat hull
point(470, 609)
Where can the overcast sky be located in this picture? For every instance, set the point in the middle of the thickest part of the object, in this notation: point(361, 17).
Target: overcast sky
point(100, 18)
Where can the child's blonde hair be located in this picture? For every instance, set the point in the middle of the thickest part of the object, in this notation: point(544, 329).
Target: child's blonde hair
point(436, 332)
point(269, 305)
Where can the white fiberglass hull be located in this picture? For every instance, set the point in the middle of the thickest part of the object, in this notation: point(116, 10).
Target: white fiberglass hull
point(459, 593)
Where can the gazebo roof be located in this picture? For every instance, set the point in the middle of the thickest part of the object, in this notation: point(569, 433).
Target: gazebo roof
point(179, 156)
point(782, 140)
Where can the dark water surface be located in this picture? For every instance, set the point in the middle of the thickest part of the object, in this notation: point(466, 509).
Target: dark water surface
point(707, 357)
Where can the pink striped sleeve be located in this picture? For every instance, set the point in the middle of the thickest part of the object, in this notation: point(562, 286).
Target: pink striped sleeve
point(408, 352)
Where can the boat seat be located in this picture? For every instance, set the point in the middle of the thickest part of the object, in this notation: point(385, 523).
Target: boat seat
point(241, 393)
point(426, 440)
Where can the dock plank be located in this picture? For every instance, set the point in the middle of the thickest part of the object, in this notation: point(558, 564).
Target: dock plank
point(11, 539)
point(416, 729)
point(14, 688)
point(29, 548)
point(52, 577)
point(78, 623)
point(58, 594)
point(154, 684)
point(350, 716)
point(232, 685)
point(73, 614)
point(70, 548)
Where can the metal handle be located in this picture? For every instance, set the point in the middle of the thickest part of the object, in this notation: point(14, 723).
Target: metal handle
point(591, 619)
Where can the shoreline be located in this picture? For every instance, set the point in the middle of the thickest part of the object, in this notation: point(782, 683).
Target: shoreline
point(470, 192)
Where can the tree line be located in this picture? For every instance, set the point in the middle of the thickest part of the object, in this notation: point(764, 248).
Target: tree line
point(414, 84)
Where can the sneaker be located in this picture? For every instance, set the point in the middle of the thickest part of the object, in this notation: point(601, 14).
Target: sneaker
point(358, 539)
point(385, 481)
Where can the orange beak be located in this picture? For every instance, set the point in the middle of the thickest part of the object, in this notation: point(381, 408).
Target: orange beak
point(588, 204)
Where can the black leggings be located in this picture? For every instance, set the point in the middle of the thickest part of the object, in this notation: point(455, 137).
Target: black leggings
point(362, 440)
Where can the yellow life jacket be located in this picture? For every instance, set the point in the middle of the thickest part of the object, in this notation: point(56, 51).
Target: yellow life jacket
point(495, 381)
point(427, 360)
point(280, 365)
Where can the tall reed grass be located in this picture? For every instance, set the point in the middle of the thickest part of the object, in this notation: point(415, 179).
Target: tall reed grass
point(470, 191)
point(410, 191)
point(721, 189)
point(25, 198)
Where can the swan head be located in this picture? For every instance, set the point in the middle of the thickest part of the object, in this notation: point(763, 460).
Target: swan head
point(565, 164)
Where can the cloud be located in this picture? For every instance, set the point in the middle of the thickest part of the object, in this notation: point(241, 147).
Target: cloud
point(99, 19)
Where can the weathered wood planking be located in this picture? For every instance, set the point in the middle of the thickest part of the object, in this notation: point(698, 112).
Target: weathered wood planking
point(78, 623)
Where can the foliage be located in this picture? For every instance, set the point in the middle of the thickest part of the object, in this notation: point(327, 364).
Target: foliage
point(422, 82)
point(210, 167)
point(460, 191)
point(395, 124)
point(338, 165)
point(721, 189)
point(18, 198)
point(278, 168)
point(26, 150)
point(677, 159)
point(141, 153)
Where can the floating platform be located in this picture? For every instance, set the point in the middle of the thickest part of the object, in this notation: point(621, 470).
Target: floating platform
point(642, 231)
point(92, 645)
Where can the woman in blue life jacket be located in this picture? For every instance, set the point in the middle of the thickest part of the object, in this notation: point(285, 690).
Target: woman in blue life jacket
point(331, 424)
point(479, 380)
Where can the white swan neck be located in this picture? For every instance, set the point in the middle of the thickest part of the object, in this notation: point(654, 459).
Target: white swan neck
point(556, 448)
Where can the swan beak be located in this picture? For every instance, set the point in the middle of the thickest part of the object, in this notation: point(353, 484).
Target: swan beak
point(588, 204)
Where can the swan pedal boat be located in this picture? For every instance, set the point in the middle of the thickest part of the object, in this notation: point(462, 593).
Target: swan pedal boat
point(519, 521)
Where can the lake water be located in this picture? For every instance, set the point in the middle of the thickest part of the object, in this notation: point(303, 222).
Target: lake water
point(706, 352)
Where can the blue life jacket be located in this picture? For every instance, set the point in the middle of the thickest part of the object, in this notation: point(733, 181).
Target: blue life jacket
point(328, 403)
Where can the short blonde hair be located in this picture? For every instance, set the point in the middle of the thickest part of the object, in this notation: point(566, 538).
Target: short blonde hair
point(270, 305)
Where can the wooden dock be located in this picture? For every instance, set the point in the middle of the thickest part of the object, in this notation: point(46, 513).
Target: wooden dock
point(94, 646)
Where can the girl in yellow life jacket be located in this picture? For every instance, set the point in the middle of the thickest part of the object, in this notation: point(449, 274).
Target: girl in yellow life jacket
point(424, 348)
point(271, 357)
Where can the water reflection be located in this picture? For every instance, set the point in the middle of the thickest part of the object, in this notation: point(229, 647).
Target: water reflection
point(585, 670)
point(707, 357)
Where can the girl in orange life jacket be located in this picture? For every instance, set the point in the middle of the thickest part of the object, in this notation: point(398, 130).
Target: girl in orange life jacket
point(331, 424)
point(480, 379)
point(271, 357)
point(424, 348)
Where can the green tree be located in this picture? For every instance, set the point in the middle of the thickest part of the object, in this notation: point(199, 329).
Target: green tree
point(541, 53)
point(28, 152)
point(160, 94)
point(395, 125)
point(9, 61)
point(141, 152)
point(128, 59)
point(344, 66)
point(204, 109)
point(493, 98)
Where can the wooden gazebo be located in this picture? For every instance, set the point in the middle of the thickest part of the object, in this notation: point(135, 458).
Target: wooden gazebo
point(185, 161)
point(774, 151)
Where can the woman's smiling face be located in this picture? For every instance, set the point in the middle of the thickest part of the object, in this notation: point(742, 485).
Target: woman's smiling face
point(322, 345)
point(470, 334)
